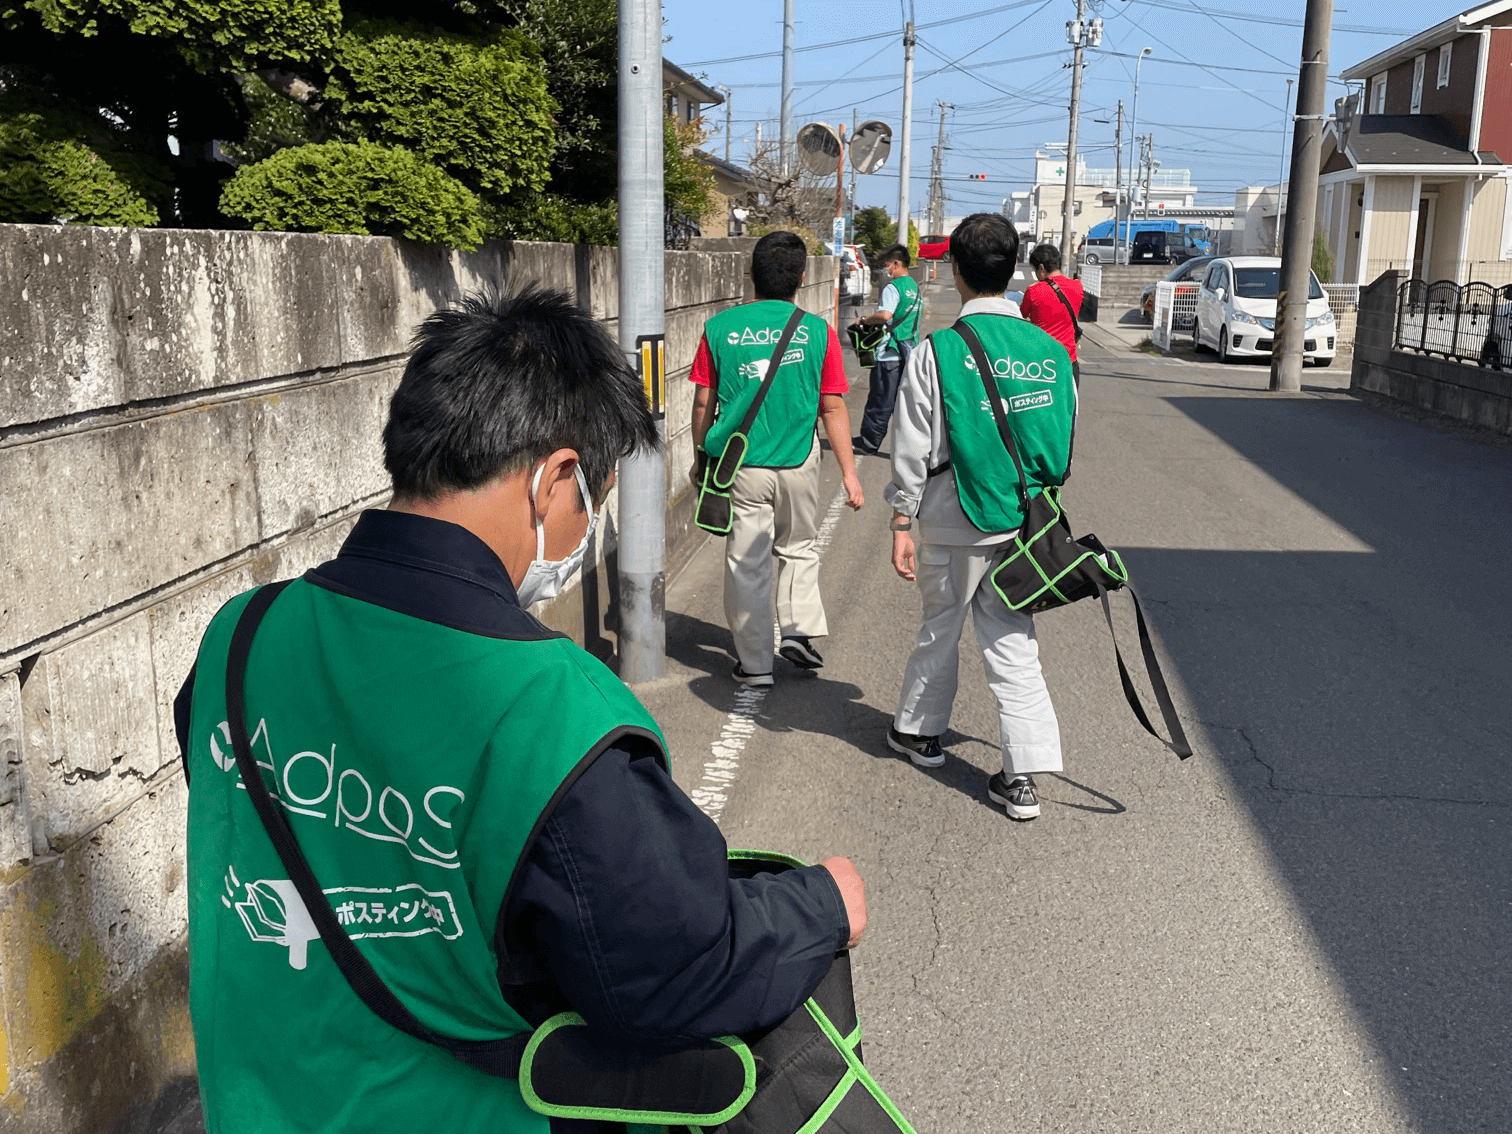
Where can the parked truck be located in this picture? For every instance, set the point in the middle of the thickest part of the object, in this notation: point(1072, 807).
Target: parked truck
point(1100, 238)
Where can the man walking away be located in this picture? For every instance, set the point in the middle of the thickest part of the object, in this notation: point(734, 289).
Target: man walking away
point(1051, 303)
point(952, 476)
point(775, 496)
point(898, 310)
point(487, 807)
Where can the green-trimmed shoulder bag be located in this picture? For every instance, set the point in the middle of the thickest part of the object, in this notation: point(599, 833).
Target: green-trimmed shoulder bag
point(1047, 566)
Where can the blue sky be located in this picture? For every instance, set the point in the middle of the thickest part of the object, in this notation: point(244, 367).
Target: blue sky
point(1002, 66)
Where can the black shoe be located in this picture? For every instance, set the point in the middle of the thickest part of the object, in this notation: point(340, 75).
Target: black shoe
point(751, 680)
point(1016, 796)
point(924, 751)
point(861, 446)
point(801, 652)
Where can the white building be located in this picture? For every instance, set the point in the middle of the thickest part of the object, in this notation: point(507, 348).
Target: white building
point(1036, 212)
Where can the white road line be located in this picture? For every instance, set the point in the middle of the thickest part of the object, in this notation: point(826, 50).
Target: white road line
point(719, 771)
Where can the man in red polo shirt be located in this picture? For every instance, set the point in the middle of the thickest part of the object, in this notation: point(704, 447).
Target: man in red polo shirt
point(1052, 303)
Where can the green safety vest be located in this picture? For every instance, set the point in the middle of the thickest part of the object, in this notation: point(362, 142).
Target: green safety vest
point(413, 762)
point(904, 328)
point(741, 341)
point(1033, 375)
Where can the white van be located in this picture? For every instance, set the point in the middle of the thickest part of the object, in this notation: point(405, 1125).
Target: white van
point(1236, 311)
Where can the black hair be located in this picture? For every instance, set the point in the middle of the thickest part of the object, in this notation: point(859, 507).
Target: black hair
point(897, 252)
point(498, 382)
point(1045, 256)
point(984, 252)
point(777, 265)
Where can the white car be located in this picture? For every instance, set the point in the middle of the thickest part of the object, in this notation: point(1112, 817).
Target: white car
point(1236, 311)
point(855, 275)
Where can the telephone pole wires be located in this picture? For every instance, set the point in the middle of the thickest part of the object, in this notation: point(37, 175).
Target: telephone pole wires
point(904, 157)
point(642, 324)
point(1301, 214)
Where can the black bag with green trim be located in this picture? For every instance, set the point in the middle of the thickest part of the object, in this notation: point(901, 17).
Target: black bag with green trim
point(803, 1076)
point(716, 512)
point(1047, 566)
point(866, 339)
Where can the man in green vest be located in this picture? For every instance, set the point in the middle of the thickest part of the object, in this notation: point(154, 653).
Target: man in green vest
point(955, 499)
point(898, 309)
point(775, 496)
point(486, 808)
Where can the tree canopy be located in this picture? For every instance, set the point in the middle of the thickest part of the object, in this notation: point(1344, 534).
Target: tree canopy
point(449, 122)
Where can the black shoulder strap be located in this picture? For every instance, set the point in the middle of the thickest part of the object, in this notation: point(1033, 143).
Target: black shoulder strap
point(771, 372)
point(1178, 742)
point(1066, 303)
point(995, 401)
point(496, 1057)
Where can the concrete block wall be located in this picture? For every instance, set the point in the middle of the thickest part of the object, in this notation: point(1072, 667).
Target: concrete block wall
point(184, 415)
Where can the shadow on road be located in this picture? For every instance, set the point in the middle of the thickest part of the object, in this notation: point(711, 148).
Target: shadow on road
point(1362, 703)
point(805, 701)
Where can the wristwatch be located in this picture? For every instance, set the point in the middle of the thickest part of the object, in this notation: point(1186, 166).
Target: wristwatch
point(897, 525)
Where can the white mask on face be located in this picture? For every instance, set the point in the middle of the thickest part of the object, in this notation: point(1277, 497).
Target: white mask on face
point(544, 577)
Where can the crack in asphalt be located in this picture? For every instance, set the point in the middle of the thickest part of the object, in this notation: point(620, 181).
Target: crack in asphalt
point(1404, 797)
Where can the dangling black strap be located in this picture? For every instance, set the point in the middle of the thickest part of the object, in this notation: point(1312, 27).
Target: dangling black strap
point(1178, 742)
point(496, 1057)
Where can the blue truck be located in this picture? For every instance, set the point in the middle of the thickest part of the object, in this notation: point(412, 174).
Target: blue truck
point(1100, 247)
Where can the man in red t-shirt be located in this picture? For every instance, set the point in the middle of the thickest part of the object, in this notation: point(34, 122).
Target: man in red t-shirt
point(1049, 311)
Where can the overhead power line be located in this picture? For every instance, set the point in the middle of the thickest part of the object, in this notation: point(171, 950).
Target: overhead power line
point(1280, 21)
point(852, 40)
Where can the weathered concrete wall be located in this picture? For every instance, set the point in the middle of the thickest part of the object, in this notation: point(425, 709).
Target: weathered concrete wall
point(1472, 394)
point(184, 415)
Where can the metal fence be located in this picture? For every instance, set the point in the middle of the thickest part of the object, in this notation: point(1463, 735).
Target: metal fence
point(1175, 311)
point(1466, 322)
point(1342, 298)
point(1091, 279)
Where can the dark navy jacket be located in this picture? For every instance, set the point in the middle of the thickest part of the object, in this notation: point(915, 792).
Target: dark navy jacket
point(579, 930)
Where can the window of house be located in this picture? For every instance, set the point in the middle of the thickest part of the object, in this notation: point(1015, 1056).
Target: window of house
point(1378, 94)
point(1446, 54)
point(1419, 65)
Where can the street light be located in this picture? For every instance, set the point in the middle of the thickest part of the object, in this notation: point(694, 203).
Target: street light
point(1133, 131)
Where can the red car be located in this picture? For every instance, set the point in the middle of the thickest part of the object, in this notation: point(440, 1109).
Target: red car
point(934, 247)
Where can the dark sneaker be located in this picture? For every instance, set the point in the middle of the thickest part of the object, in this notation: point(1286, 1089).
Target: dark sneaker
point(924, 751)
point(860, 446)
point(801, 652)
point(1016, 796)
point(751, 680)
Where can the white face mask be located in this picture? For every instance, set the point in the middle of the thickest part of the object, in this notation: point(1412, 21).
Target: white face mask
point(544, 577)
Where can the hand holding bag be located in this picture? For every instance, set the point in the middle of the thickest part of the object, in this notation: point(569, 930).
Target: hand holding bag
point(716, 512)
point(1047, 566)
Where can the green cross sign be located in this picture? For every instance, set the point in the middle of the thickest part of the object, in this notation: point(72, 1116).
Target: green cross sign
point(1060, 172)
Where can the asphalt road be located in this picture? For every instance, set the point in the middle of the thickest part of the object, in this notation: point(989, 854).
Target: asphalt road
point(1303, 928)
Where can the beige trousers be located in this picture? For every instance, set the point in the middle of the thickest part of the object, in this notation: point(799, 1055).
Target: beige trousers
point(776, 516)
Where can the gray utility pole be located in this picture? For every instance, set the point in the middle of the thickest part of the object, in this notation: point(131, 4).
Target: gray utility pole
point(903, 155)
point(642, 322)
point(1133, 178)
point(1076, 32)
point(786, 146)
point(1301, 217)
point(1118, 185)
point(936, 220)
point(728, 94)
point(851, 206)
point(1281, 174)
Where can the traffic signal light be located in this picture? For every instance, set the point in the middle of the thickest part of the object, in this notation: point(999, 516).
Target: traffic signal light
point(977, 176)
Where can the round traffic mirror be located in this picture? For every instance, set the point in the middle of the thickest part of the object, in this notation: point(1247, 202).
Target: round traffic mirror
point(819, 148)
point(869, 147)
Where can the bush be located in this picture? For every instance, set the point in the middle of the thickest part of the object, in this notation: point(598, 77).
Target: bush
point(546, 216)
point(46, 178)
point(1322, 259)
point(475, 105)
point(360, 188)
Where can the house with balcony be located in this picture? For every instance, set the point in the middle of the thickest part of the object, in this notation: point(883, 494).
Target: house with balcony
point(1415, 164)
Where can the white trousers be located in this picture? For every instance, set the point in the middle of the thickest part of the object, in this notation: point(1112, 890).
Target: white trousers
point(951, 580)
point(775, 516)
